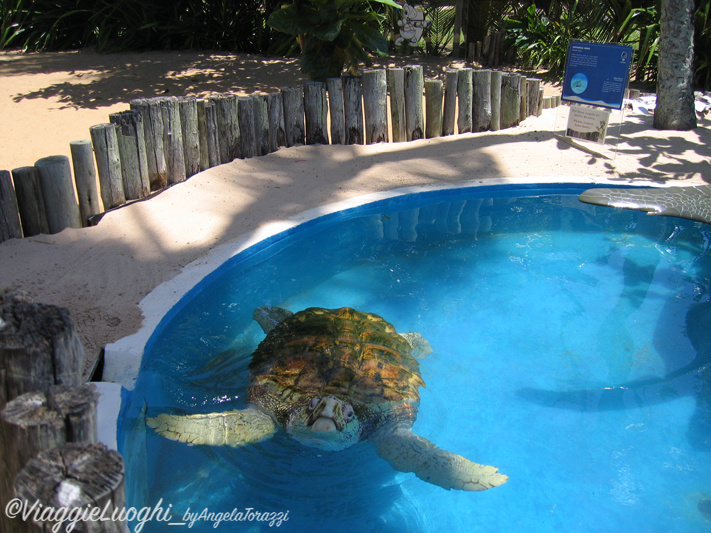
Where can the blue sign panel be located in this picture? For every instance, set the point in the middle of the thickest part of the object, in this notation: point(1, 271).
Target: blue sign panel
point(597, 74)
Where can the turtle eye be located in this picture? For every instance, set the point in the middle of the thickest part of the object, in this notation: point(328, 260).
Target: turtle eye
point(314, 403)
point(348, 413)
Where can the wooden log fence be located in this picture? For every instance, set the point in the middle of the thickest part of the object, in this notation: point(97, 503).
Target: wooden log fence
point(48, 422)
point(162, 141)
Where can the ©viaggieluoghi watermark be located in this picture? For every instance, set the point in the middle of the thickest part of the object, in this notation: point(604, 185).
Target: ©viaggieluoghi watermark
point(65, 519)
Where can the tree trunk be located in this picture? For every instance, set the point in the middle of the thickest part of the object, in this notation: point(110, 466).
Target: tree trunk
point(675, 91)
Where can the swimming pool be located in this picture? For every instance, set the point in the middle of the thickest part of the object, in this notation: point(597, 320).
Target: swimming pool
point(571, 350)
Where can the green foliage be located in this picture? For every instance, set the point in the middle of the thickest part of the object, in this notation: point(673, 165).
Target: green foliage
point(702, 45)
point(440, 14)
point(541, 39)
point(116, 25)
point(333, 33)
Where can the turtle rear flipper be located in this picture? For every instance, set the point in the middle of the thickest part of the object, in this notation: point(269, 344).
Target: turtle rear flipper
point(232, 428)
point(408, 452)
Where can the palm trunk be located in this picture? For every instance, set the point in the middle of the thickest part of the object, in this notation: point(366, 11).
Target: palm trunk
point(675, 91)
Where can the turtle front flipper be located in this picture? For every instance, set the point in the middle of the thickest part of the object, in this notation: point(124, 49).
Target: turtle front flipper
point(231, 428)
point(408, 452)
point(420, 346)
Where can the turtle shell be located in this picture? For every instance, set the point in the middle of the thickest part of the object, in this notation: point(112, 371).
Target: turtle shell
point(355, 356)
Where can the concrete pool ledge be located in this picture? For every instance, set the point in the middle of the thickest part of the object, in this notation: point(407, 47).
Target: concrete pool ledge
point(123, 358)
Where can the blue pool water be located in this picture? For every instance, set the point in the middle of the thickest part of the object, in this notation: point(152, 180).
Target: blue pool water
point(571, 350)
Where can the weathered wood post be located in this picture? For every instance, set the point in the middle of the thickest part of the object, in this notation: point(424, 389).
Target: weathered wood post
point(85, 178)
point(451, 77)
point(132, 153)
point(524, 98)
point(465, 97)
point(510, 100)
point(39, 348)
point(277, 127)
point(108, 162)
point(293, 98)
point(30, 199)
point(481, 103)
point(414, 116)
point(316, 112)
point(433, 108)
point(190, 130)
point(86, 477)
point(534, 88)
point(353, 109)
point(173, 139)
point(495, 100)
point(227, 126)
point(10, 227)
point(396, 88)
point(212, 132)
point(153, 136)
point(261, 123)
point(375, 105)
point(58, 192)
point(248, 138)
point(201, 103)
point(334, 87)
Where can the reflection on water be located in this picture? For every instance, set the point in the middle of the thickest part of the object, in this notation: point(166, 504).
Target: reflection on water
point(571, 350)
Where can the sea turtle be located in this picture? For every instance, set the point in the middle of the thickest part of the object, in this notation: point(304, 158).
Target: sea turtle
point(330, 378)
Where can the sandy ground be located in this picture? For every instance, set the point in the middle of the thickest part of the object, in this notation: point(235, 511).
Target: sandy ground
point(101, 274)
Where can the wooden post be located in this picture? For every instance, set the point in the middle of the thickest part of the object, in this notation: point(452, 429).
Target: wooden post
point(510, 100)
point(38, 421)
point(539, 109)
point(277, 127)
point(481, 103)
point(85, 178)
point(335, 106)
point(464, 91)
point(10, 227)
point(524, 98)
point(212, 132)
point(316, 112)
point(293, 115)
point(396, 88)
point(375, 105)
point(132, 153)
point(202, 134)
point(190, 130)
point(451, 77)
point(433, 108)
point(534, 87)
point(495, 100)
point(39, 348)
point(59, 201)
point(261, 123)
point(77, 476)
point(414, 117)
point(153, 136)
point(245, 116)
point(30, 200)
point(105, 141)
point(173, 139)
point(227, 126)
point(353, 109)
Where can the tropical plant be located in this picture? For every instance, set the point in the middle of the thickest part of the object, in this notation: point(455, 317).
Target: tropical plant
point(440, 33)
point(702, 45)
point(333, 33)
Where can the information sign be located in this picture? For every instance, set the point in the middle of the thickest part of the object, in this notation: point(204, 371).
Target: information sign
point(596, 74)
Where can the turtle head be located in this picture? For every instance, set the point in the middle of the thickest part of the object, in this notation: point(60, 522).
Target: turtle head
point(327, 423)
